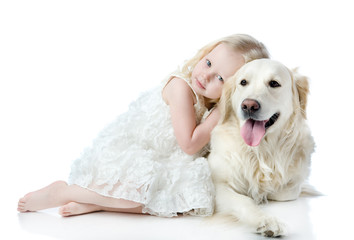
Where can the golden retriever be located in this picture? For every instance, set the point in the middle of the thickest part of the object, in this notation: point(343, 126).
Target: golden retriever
point(262, 145)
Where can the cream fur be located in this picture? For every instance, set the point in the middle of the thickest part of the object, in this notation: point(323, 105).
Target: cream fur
point(276, 169)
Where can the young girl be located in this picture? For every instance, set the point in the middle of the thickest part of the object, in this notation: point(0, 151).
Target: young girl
point(150, 160)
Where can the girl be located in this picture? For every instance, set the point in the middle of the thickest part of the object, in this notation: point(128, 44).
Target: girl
point(151, 159)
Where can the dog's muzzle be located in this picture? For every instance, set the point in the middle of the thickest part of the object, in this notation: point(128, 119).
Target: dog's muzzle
point(254, 129)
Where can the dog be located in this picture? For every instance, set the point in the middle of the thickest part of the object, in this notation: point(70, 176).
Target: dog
point(262, 145)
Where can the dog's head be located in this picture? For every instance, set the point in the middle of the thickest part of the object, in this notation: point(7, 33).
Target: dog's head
point(264, 96)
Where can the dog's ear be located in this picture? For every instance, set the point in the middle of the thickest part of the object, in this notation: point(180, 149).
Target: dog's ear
point(302, 87)
point(225, 103)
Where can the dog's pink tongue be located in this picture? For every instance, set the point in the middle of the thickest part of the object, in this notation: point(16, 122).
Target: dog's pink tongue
point(253, 131)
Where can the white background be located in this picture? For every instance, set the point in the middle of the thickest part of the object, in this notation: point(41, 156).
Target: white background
point(67, 68)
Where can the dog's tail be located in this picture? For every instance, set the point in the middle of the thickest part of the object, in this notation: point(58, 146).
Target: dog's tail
point(308, 190)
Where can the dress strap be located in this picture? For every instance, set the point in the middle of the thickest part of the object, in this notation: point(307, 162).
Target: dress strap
point(190, 85)
point(199, 106)
point(175, 74)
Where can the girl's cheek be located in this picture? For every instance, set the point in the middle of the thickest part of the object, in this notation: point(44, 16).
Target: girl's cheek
point(219, 92)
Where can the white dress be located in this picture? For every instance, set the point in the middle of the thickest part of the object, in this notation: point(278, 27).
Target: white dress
point(137, 158)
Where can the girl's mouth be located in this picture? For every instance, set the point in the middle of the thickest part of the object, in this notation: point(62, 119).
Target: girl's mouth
point(199, 84)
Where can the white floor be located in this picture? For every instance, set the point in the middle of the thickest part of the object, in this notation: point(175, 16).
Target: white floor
point(67, 68)
point(306, 218)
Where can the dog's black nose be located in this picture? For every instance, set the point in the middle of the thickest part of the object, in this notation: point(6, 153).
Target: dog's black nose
point(250, 106)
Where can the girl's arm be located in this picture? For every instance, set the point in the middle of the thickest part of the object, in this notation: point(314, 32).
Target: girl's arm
point(190, 136)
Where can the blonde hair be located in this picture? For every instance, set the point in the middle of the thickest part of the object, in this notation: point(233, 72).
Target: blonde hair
point(249, 47)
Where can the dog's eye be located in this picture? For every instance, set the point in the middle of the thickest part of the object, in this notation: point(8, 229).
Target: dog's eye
point(243, 82)
point(274, 84)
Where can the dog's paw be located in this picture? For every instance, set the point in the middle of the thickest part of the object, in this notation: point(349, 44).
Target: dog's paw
point(271, 227)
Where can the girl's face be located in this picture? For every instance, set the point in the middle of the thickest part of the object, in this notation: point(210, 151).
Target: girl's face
point(212, 70)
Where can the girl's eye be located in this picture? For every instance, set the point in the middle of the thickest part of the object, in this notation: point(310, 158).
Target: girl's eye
point(208, 63)
point(220, 78)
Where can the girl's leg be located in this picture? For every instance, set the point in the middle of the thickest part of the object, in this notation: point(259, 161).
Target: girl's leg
point(59, 193)
point(74, 208)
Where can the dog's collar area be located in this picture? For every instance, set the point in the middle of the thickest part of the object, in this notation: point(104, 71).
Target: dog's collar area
point(272, 120)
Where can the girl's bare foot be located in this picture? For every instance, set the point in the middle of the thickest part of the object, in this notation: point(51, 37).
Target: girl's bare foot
point(74, 208)
point(47, 197)
point(74, 200)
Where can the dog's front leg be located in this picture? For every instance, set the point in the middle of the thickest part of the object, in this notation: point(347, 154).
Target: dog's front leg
point(246, 210)
point(286, 194)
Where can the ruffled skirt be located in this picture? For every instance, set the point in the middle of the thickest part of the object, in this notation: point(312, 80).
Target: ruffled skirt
point(144, 164)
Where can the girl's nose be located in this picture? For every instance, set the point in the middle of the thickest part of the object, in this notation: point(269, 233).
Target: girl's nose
point(206, 76)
